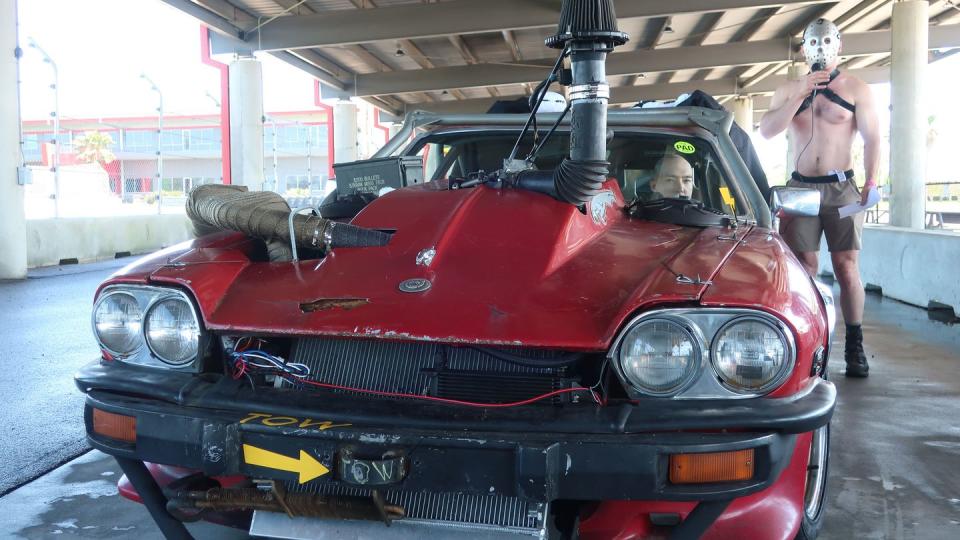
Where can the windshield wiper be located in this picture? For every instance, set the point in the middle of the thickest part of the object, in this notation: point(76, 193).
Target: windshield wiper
point(680, 211)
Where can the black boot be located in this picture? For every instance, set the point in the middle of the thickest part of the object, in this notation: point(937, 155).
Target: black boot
point(856, 360)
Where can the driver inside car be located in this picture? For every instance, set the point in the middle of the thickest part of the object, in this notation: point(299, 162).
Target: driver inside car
point(672, 177)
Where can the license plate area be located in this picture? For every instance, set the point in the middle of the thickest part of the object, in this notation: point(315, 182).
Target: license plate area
point(372, 469)
point(299, 460)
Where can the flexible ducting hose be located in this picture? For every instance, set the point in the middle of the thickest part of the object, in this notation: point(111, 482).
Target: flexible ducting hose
point(264, 215)
point(577, 182)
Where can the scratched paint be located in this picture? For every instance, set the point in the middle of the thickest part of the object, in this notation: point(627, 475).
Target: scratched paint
point(271, 420)
point(329, 304)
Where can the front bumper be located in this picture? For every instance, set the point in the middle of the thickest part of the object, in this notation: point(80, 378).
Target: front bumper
point(537, 453)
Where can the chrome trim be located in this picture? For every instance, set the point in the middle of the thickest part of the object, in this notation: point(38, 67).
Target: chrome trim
point(174, 294)
point(696, 337)
point(147, 296)
point(789, 345)
point(817, 476)
point(708, 322)
point(96, 334)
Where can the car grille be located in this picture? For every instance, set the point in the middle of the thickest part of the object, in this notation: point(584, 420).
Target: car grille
point(425, 368)
point(493, 512)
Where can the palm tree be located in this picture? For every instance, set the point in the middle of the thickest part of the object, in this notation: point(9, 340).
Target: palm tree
point(94, 147)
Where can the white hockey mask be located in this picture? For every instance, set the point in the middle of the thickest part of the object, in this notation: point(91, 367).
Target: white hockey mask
point(821, 43)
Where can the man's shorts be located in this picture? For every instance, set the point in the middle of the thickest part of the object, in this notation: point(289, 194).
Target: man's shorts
point(802, 234)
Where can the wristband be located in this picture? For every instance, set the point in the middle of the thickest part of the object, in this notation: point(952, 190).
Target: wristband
point(870, 184)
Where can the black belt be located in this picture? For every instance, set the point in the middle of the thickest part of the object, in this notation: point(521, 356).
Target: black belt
point(828, 179)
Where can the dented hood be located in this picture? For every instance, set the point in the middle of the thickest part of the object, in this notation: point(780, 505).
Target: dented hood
point(510, 267)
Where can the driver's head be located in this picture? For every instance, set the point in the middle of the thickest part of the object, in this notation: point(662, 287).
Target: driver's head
point(673, 177)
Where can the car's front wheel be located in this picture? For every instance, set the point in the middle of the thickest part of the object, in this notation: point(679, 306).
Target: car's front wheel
point(814, 499)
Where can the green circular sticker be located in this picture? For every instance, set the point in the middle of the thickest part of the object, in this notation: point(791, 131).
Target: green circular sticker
point(684, 147)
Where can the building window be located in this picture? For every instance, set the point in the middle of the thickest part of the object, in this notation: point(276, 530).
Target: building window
point(203, 138)
point(140, 141)
point(175, 139)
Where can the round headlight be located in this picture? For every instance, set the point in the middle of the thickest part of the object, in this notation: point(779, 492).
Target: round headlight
point(117, 321)
point(659, 356)
point(751, 355)
point(173, 331)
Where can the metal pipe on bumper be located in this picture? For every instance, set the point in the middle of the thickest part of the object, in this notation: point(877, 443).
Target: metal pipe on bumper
point(153, 498)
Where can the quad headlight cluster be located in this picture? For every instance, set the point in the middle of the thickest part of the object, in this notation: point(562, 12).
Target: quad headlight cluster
point(148, 325)
point(703, 353)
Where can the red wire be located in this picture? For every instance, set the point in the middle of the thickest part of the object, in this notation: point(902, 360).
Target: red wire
point(440, 399)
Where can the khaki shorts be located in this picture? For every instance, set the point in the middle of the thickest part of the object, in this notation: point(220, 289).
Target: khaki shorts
point(802, 234)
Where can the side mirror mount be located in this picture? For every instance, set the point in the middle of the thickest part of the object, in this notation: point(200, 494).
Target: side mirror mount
point(793, 201)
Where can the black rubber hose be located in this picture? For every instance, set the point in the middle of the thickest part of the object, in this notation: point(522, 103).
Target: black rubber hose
point(153, 498)
point(577, 182)
point(346, 235)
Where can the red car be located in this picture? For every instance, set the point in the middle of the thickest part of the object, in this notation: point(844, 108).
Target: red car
point(477, 357)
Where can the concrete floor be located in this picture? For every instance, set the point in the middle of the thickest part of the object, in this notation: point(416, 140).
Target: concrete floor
point(894, 457)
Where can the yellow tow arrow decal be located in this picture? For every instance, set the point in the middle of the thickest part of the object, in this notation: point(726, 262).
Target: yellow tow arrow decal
point(307, 466)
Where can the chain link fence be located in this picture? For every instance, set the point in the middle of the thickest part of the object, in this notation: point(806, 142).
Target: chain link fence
point(115, 166)
point(296, 161)
point(106, 170)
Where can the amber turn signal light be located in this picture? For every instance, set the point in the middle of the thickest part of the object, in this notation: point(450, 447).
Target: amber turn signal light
point(713, 467)
point(115, 426)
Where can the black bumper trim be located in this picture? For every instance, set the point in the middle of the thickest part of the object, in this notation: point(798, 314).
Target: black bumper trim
point(538, 467)
point(800, 413)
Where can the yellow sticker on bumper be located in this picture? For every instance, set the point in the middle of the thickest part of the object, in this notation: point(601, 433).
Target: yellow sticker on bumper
point(306, 466)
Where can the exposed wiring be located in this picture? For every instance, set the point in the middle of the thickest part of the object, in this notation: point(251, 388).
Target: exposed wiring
point(533, 112)
point(599, 384)
point(536, 150)
point(813, 129)
point(248, 361)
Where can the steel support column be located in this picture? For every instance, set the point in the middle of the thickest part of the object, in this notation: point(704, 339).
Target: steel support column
point(13, 224)
point(743, 112)
point(908, 118)
point(344, 132)
point(246, 123)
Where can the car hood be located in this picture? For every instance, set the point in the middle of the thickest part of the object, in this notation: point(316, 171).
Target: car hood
point(510, 268)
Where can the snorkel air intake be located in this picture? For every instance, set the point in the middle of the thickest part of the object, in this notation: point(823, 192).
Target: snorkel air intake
point(588, 30)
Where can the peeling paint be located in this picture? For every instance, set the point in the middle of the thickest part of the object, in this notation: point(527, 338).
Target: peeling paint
point(328, 304)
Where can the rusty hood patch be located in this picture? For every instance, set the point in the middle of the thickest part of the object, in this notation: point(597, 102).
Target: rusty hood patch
point(324, 304)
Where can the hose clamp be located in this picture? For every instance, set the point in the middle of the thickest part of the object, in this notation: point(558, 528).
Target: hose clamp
point(328, 234)
point(600, 90)
point(316, 234)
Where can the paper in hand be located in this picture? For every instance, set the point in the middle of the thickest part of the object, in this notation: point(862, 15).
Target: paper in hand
point(872, 199)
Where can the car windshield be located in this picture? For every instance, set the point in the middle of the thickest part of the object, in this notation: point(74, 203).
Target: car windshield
point(647, 166)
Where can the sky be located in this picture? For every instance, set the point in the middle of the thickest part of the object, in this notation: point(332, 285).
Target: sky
point(102, 46)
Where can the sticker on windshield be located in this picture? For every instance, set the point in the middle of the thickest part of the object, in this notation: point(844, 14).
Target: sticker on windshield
point(684, 147)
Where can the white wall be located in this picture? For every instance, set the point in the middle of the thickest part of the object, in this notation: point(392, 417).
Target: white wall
point(913, 266)
point(90, 239)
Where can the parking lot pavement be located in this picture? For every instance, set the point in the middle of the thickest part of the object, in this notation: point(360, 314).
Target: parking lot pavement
point(80, 499)
point(45, 322)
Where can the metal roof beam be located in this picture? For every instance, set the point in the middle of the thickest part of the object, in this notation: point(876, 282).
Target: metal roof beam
point(411, 21)
point(628, 95)
point(630, 63)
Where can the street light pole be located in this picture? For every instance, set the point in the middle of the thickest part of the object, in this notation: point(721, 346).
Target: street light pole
point(273, 128)
point(153, 86)
point(56, 126)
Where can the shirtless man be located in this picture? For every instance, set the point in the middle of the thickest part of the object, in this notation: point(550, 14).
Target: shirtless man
point(673, 177)
point(824, 111)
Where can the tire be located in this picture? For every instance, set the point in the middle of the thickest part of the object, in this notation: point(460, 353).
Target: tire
point(563, 521)
point(814, 502)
